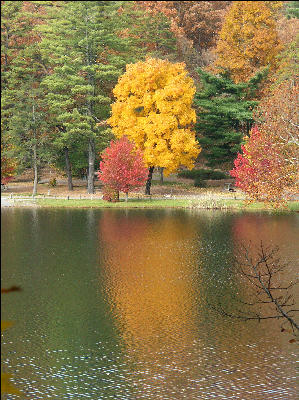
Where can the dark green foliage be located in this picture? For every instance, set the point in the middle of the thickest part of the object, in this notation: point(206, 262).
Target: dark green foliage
point(150, 34)
point(224, 115)
point(198, 182)
point(24, 117)
point(202, 174)
point(292, 9)
point(82, 44)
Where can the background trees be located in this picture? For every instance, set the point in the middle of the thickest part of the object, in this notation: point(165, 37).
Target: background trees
point(87, 61)
point(154, 109)
point(62, 59)
point(248, 39)
point(24, 113)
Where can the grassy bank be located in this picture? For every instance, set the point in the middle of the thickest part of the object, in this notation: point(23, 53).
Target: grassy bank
point(167, 203)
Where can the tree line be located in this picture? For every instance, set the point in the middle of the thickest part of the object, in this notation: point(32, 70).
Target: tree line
point(67, 90)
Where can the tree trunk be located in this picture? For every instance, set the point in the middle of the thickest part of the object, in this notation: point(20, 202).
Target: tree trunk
point(149, 180)
point(35, 168)
point(91, 160)
point(127, 196)
point(161, 169)
point(68, 168)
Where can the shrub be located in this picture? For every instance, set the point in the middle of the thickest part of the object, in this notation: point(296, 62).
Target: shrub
point(202, 174)
point(198, 182)
point(52, 182)
point(110, 194)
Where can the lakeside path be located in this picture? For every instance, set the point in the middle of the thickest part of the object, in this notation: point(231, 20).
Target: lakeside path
point(11, 202)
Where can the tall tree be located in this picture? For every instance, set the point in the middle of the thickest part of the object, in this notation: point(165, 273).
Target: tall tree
point(150, 32)
point(23, 97)
point(224, 111)
point(278, 115)
point(82, 44)
point(153, 108)
point(248, 39)
point(267, 169)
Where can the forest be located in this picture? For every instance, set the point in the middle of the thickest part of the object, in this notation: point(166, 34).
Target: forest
point(215, 81)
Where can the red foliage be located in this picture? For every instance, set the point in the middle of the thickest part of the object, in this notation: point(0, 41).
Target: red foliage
point(8, 165)
point(262, 171)
point(122, 168)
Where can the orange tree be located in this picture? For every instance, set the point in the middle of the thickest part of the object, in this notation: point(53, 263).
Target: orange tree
point(248, 39)
point(153, 109)
point(268, 168)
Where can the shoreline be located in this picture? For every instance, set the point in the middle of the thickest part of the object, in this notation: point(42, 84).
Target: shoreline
point(208, 203)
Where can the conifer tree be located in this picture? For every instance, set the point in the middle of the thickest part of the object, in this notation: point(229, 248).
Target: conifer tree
point(87, 55)
point(224, 115)
point(23, 107)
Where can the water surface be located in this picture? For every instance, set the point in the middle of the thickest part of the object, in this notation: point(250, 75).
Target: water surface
point(118, 304)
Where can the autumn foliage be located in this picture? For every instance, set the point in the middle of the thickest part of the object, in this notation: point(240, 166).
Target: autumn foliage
point(122, 168)
point(248, 39)
point(262, 171)
point(8, 165)
point(153, 108)
point(198, 22)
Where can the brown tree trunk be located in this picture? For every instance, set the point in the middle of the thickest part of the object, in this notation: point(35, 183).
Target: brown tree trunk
point(35, 169)
point(68, 168)
point(91, 160)
point(149, 180)
point(161, 169)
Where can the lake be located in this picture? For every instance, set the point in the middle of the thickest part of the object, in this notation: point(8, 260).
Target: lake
point(120, 304)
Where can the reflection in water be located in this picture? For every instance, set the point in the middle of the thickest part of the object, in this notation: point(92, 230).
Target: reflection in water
point(158, 282)
point(252, 230)
point(115, 305)
point(149, 272)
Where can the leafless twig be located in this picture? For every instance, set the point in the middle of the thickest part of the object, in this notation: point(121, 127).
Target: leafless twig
point(269, 298)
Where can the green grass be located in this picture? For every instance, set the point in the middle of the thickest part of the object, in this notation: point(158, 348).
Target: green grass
point(208, 203)
point(132, 203)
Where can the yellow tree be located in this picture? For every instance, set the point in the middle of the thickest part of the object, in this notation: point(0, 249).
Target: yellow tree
point(248, 39)
point(153, 108)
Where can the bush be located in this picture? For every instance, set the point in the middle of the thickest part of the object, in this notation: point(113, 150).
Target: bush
point(203, 174)
point(52, 182)
point(198, 182)
point(110, 194)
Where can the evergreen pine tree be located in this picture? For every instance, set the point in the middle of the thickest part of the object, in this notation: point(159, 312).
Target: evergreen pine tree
point(23, 106)
point(82, 44)
point(224, 115)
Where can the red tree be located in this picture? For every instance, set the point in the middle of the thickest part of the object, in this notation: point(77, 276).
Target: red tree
point(122, 168)
point(262, 171)
point(8, 165)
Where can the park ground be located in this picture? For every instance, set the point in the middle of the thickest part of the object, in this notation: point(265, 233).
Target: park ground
point(174, 192)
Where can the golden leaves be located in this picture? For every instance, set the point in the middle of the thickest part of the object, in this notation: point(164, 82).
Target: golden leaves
point(248, 39)
point(154, 109)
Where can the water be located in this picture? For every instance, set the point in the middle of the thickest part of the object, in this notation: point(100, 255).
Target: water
point(119, 304)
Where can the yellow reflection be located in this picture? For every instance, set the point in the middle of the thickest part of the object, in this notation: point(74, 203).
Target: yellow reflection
point(150, 277)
